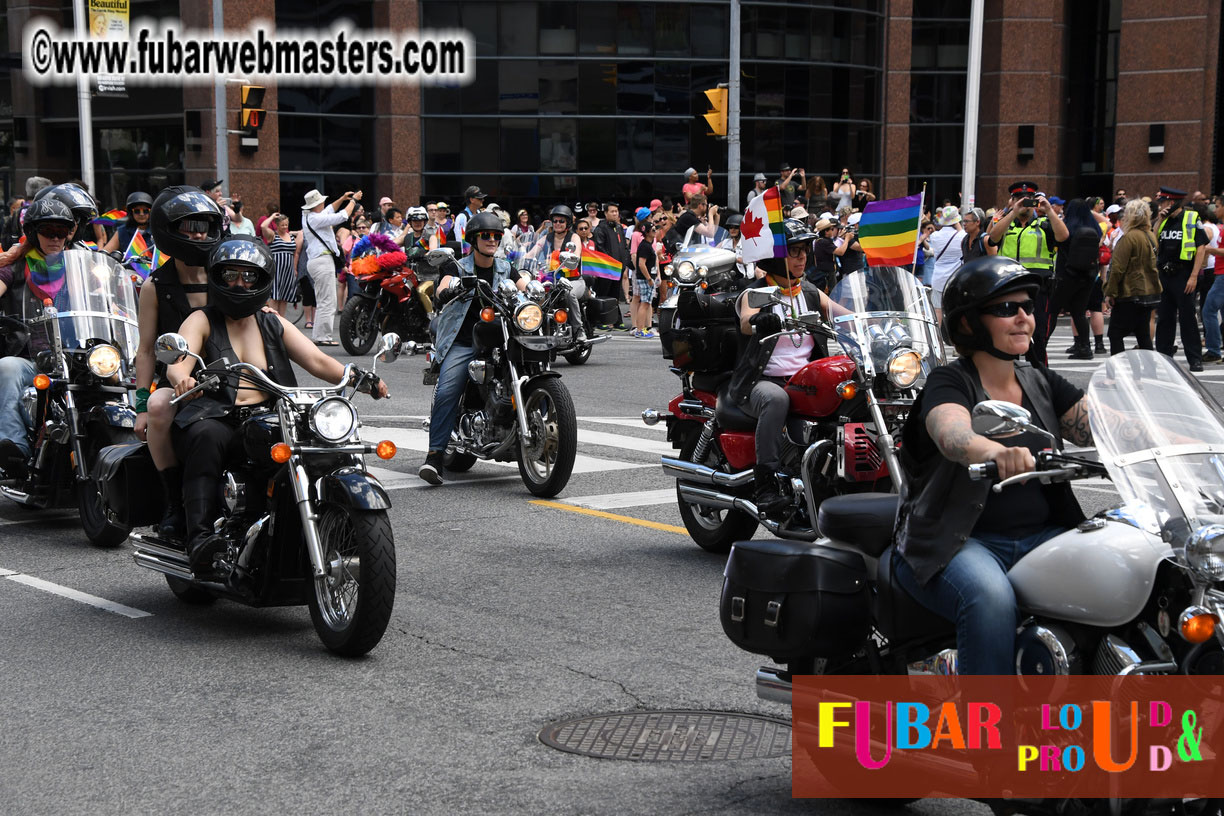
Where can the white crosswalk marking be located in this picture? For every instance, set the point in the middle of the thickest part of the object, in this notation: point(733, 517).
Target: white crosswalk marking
point(613, 501)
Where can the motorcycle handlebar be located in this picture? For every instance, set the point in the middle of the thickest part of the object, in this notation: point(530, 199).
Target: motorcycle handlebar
point(984, 471)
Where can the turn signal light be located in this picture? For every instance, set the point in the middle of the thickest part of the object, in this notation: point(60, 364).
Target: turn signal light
point(281, 453)
point(42, 382)
point(1197, 625)
point(47, 301)
point(847, 390)
point(486, 315)
point(385, 449)
point(560, 316)
point(704, 285)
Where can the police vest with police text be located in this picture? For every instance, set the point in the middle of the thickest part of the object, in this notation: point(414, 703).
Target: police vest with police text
point(1189, 230)
point(1027, 244)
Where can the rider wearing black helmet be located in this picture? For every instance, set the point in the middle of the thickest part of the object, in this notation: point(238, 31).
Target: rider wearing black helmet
point(956, 539)
point(757, 385)
point(48, 227)
point(84, 209)
point(233, 326)
point(138, 207)
point(185, 224)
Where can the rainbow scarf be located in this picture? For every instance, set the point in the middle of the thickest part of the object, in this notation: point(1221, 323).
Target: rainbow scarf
point(44, 274)
point(789, 291)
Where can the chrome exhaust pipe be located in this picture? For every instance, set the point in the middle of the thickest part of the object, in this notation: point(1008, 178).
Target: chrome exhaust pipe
point(772, 687)
point(681, 469)
point(725, 501)
point(153, 562)
point(151, 546)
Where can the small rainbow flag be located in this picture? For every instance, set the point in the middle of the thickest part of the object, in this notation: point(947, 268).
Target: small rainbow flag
point(761, 229)
point(599, 265)
point(888, 230)
point(141, 257)
point(111, 217)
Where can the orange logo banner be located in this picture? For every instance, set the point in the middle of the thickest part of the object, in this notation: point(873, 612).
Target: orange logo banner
point(1008, 737)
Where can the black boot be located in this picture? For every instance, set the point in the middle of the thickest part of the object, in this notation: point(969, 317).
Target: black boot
point(174, 522)
point(768, 497)
point(1100, 344)
point(203, 545)
point(13, 460)
point(1081, 351)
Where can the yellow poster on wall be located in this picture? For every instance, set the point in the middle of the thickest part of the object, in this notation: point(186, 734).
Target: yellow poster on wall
point(108, 20)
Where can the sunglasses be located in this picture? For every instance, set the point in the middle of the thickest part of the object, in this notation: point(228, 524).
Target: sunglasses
point(583, 228)
point(417, 218)
point(488, 236)
point(58, 233)
point(140, 211)
point(1008, 308)
point(190, 225)
point(560, 221)
point(796, 250)
point(247, 275)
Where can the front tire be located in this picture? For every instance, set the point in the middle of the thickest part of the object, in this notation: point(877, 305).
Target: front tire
point(351, 605)
point(357, 330)
point(711, 529)
point(100, 531)
point(546, 460)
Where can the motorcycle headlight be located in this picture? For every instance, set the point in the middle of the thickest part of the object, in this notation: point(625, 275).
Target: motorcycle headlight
point(686, 272)
point(528, 317)
point(1205, 552)
point(904, 367)
point(333, 419)
point(103, 361)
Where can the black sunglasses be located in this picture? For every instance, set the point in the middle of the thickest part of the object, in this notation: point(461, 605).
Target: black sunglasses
point(140, 211)
point(232, 275)
point(1008, 308)
point(61, 233)
point(190, 225)
point(489, 236)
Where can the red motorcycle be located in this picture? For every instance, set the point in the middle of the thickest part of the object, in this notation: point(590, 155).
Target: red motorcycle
point(845, 408)
point(395, 296)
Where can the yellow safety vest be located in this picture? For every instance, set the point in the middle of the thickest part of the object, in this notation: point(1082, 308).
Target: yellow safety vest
point(1027, 245)
point(1189, 231)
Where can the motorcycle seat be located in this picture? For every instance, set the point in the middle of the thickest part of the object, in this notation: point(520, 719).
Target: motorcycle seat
point(728, 414)
point(704, 381)
point(899, 616)
point(862, 519)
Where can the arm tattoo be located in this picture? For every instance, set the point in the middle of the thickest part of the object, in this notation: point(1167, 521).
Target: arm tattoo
point(1074, 425)
point(952, 431)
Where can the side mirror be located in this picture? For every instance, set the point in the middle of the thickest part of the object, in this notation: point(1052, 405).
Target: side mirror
point(996, 419)
point(171, 348)
point(760, 298)
point(535, 289)
point(569, 261)
point(390, 349)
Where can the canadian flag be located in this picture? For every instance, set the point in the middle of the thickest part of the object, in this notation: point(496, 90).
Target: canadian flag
point(761, 229)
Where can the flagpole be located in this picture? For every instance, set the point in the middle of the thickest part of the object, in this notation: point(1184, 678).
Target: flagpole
point(918, 243)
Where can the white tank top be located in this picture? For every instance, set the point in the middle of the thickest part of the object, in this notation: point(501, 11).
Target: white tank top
point(787, 357)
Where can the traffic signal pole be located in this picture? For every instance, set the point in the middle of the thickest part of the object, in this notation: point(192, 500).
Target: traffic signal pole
point(733, 110)
point(219, 105)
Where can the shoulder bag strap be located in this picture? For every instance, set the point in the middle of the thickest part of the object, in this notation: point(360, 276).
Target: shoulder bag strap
point(326, 248)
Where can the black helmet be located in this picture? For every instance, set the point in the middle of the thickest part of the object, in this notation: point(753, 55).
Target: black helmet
point(84, 208)
point(563, 211)
point(483, 221)
point(973, 285)
point(139, 198)
point(46, 210)
point(239, 252)
point(172, 206)
point(734, 221)
point(797, 232)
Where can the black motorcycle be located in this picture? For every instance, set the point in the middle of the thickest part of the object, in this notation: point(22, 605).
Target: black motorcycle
point(87, 333)
point(302, 519)
point(392, 299)
point(515, 407)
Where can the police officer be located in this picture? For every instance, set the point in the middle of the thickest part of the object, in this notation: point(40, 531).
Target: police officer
point(1029, 230)
point(1179, 259)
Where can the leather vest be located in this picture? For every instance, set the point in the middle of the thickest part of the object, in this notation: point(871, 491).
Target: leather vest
point(172, 304)
point(756, 354)
point(939, 510)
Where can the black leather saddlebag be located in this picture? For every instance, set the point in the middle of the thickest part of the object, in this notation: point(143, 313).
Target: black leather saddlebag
point(603, 311)
point(130, 485)
point(792, 600)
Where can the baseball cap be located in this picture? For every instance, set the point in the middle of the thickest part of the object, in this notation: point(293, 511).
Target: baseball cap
point(385, 200)
point(473, 192)
point(642, 213)
point(1112, 208)
point(655, 204)
point(209, 185)
point(1057, 200)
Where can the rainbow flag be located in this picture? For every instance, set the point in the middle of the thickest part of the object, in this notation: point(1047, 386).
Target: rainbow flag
point(111, 218)
point(141, 257)
point(761, 229)
point(599, 265)
point(888, 230)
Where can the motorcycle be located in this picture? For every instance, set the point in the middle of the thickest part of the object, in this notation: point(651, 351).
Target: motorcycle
point(302, 519)
point(564, 293)
point(845, 408)
point(1136, 590)
point(514, 406)
point(88, 333)
point(392, 298)
point(699, 267)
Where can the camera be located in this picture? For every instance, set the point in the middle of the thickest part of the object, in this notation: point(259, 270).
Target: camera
point(1028, 202)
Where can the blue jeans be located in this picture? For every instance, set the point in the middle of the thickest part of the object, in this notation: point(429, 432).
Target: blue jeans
point(451, 381)
point(1211, 314)
point(973, 591)
point(16, 375)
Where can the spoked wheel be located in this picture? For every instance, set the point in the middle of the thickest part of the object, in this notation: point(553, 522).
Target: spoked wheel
point(351, 604)
point(357, 330)
point(546, 457)
point(712, 529)
point(100, 531)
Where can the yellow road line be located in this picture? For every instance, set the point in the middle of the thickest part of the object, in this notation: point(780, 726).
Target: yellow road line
point(654, 525)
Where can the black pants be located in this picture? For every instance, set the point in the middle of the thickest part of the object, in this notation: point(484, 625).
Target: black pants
point(203, 447)
point(1176, 305)
point(1071, 293)
point(1129, 318)
point(1045, 324)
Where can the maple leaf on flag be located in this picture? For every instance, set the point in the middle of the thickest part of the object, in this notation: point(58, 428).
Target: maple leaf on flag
point(751, 226)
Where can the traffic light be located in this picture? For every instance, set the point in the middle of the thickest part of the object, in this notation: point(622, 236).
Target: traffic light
point(251, 117)
point(717, 116)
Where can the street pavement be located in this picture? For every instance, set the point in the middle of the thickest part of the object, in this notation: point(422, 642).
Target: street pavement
point(509, 615)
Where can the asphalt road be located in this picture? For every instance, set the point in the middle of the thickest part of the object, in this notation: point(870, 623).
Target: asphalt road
point(509, 616)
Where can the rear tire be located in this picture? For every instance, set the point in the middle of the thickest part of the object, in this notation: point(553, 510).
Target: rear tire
point(547, 460)
point(351, 606)
point(100, 531)
point(357, 330)
point(711, 529)
point(578, 357)
point(186, 592)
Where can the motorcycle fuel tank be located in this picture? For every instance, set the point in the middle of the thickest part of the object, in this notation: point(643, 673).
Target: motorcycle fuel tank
point(813, 388)
point(1101, 575)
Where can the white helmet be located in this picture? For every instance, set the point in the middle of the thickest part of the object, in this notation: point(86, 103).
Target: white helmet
point(417, 213)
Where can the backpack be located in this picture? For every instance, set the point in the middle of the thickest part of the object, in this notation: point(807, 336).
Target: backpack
point(1083, 251)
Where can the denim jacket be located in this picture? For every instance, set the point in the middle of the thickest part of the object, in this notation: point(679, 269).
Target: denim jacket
point(451, 317)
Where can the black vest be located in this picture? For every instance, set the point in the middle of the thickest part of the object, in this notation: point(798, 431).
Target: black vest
point(172, 304)
point(756, 354)
point(942, 504)
point(218, 403)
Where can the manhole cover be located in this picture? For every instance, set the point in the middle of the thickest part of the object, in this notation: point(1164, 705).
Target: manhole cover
point(672, 736)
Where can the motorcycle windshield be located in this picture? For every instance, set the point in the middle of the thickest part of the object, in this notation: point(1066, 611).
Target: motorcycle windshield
point(1161, 437)
point(885, 310)
point(93, 296)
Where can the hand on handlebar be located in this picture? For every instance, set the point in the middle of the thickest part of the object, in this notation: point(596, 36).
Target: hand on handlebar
point(1013, 461)
point(184, 385)
point(765, 323)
